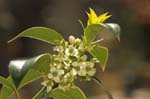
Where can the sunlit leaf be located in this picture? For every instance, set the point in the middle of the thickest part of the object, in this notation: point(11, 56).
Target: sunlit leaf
point(40, 33)
point(73, 93)
point(101, 53)
point(5, 82)
point(92, 31)
point(29, 77)
point(6, 92)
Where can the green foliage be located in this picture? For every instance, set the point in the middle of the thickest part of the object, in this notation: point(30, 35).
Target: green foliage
point(73, 93)
point(6, 92)
point(26, 71)
point(114, 28)
point(6, 83)
point(40, 33)
point(23, 72)
point(101, 53)
point(92, 31)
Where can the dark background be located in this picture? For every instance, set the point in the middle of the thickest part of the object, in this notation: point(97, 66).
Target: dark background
point(128, 68)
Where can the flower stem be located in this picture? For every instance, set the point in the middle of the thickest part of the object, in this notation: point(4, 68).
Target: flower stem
point(17, 94)
point(101, 85)
point(98, 41)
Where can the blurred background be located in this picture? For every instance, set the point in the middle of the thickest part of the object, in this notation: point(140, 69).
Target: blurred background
point(128, 68)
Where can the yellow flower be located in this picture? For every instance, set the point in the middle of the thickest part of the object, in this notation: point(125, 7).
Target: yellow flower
point(94, 19)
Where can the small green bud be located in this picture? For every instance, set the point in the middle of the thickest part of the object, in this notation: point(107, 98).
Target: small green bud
point(71, 49)
point(95, 60)
point(83, 58)
point(71, 39)
point(77, 41)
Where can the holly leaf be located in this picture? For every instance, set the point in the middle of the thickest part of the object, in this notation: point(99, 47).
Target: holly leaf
point(72, 93)
point(101, 53)
point(26, 71)
point(92, 31)
point(40, 33)
point(6, 91)
point(114, 28)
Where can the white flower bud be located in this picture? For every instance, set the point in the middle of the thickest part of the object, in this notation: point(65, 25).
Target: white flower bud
point(49, 88)
point(71, 39)
point(73, 72)
point(91, 72)
point(44, 83)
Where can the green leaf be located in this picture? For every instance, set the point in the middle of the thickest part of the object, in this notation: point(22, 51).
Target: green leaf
point(40, 94)
point(101, 53)
point(26, 71)
point(73, 93)
point(5, 82)
point(101, 85)
point(92, 31)
point(6, 92)
point(114, 28)
point(40, 33)
point(29, 77)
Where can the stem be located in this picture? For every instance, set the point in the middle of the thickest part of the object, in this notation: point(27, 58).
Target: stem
point(97, 41)
point(17, 94)
point(40, 94)
point(81, 24)
point(101, 85)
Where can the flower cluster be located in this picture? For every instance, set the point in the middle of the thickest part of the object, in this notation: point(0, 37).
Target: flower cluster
point(67, 64)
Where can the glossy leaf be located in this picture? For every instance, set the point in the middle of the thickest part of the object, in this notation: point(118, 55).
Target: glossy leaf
point(25, 71)
point(101, 53)
point(40, 33)
point(5, 82)
point(29, 77)
point(73, 93)
point(92, 31)
point(6, 92)
point(114, 28)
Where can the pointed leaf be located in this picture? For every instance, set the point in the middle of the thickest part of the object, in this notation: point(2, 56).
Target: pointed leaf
point(114, 28)
point(92, 31)
point(73, 93)
point(25, 71)
point(5, 82)
point(29, 77)
point(6, 92)
point(40, 33)
point(101, 53)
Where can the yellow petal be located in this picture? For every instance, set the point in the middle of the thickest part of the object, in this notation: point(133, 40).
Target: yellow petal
point(103, 17)
point(93, 17)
